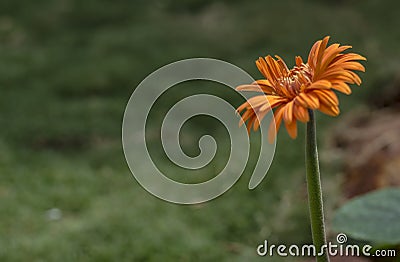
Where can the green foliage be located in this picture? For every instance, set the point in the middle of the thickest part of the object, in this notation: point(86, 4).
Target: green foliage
point(371, 217)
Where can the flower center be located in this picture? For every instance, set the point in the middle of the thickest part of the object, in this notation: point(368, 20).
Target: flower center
point(292, 84)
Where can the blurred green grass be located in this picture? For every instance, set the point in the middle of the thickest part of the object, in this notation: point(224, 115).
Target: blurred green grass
point(67, 69)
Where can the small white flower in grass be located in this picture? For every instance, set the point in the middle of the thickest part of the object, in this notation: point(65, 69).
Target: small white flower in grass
point(53, 214)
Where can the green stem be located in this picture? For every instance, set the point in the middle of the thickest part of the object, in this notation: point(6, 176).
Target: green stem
point(314, 189)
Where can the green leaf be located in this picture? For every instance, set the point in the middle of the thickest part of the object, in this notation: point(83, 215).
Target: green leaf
point(372, 217)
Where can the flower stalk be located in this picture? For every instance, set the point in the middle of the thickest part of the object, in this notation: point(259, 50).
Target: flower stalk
point(314, 189)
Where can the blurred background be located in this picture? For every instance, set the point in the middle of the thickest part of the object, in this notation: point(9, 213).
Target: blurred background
point(67, 70)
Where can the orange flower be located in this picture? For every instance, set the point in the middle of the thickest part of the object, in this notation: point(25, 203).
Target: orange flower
point(307, 86)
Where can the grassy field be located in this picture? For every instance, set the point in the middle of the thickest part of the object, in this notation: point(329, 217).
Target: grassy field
point(67, 70)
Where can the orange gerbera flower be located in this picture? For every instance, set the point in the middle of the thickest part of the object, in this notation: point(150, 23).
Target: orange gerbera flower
point(307, 86)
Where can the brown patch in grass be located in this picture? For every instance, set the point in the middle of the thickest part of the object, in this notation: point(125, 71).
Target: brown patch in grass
point(370, 144)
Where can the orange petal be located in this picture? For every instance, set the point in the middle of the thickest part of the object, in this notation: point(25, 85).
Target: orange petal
point(268, 71)
point(327, 97)
point(274, 101)
point(242, 107)
point(263, 86)
point(257, 101)
point(262, 67)
point(331, 53)
point(321, 51)
point(288, 112)
point(299, 100)
point(353, 66)
point(266, 86)
point(258, 118)
point(346, 57)
point(356, 78)
point(275, 124)
point(311, 55)
point(301, 113)
point(282, 65)
point(248, 114)
point(291, 128)
point(320, 84)
point(249, 123)
point(341, 87)
point(332, 111)
point(251, 87)
point(310, 100)
point(273, 67)
point(341, 74)
point(299, 61)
